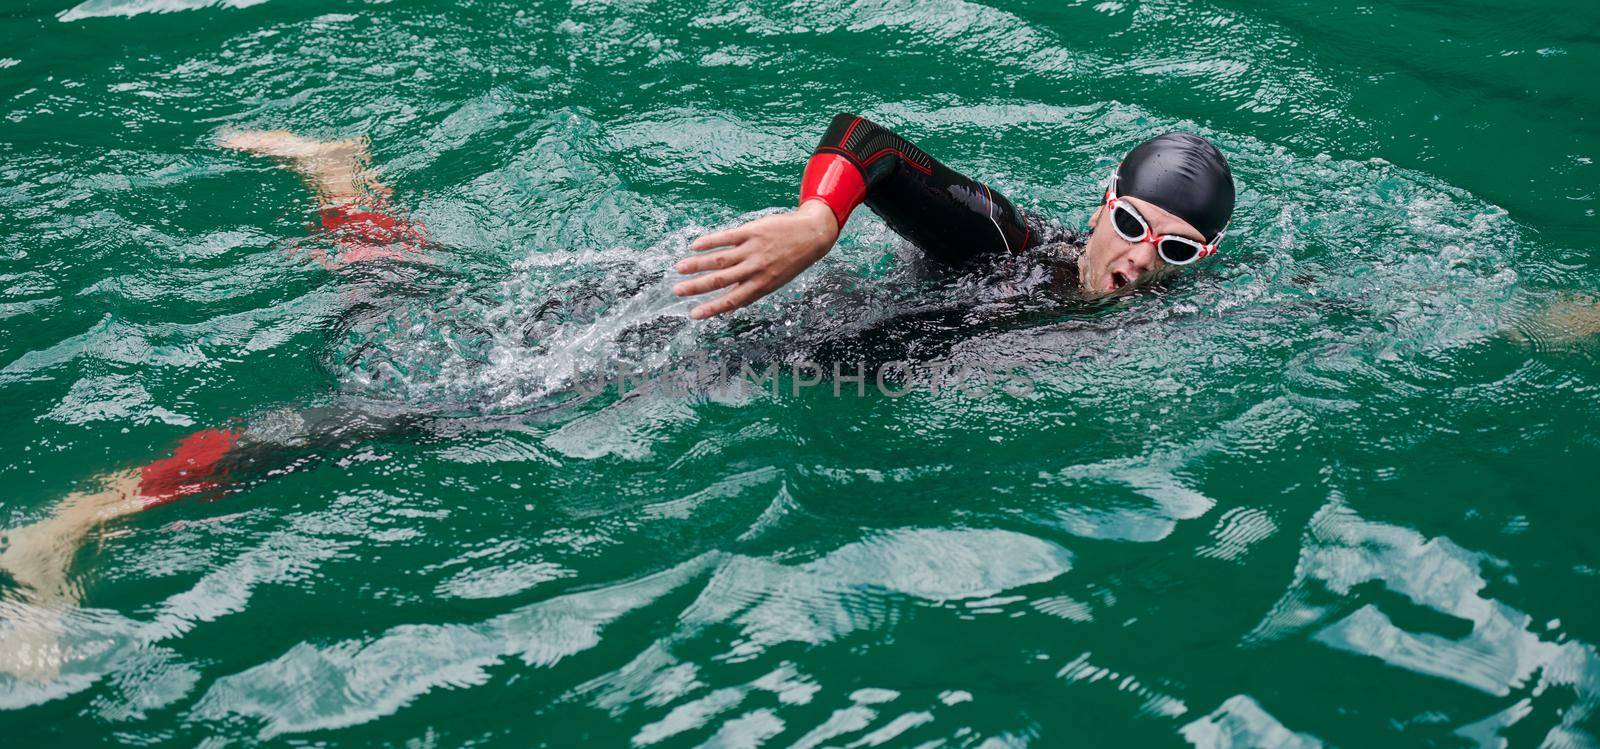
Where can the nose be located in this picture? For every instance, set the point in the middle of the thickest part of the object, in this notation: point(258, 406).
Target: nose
point(1143, 258)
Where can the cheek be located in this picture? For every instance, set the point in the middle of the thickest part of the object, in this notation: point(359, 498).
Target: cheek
point(1101, 248)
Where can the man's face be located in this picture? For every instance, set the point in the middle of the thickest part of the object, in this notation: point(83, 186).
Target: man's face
point(1111, 263)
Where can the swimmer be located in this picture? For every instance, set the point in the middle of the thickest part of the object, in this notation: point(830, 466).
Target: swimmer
point(1166, 205)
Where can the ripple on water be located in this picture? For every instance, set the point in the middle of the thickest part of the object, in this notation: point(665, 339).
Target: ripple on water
point(1237, 530)
point(1240, 722)
point(352, 682)
point(851, 589)
point(843, 592)
point(1502, 655)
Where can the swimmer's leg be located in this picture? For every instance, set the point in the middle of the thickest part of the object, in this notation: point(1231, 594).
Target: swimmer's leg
point(357, 216)
point(339, 171)
point(35, 555)
point(37, 558)
point(205, 465)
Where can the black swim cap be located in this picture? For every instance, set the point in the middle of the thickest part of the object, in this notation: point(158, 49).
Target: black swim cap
point(1185, 175)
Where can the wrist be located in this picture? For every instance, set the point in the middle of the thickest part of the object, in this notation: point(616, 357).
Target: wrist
point(819, 215)
point(822, 228)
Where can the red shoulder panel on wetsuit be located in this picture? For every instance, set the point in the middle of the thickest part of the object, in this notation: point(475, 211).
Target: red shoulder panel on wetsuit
point(832, 179)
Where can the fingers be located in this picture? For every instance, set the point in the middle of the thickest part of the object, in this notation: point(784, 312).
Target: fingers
point(741, 295)
point(724, 238)
point(711, 261)
point(713, 281)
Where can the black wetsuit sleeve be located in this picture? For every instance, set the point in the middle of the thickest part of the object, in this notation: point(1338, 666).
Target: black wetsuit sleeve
point(947, 214)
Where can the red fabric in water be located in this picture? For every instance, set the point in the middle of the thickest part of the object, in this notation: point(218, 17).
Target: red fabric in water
point(192, 467)
point(369, 233)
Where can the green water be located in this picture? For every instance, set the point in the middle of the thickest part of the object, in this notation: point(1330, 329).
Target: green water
point(1314, 492)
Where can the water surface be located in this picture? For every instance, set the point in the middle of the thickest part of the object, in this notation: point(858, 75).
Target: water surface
point(1330, 489)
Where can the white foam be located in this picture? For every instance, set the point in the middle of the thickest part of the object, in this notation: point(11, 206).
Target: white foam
point(129, 8)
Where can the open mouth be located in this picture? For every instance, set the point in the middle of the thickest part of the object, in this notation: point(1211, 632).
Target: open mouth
point(1118, 280)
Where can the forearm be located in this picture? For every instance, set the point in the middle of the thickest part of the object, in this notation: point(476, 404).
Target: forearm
point(947, 214)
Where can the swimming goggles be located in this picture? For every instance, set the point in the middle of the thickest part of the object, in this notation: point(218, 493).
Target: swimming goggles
point(1130, 225)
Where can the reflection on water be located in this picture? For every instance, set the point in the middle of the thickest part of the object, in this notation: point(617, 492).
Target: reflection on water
point(104, 8)
point(311, 688)
point(751, 607)
point(316, 687)
point(1505, 652)
point(1240, 722)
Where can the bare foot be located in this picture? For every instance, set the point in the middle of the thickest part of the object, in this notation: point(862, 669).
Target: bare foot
point(286, 145)
point(337, 169)
point(38, 558)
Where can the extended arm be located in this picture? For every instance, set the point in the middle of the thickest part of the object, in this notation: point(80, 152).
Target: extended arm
point(946, 214)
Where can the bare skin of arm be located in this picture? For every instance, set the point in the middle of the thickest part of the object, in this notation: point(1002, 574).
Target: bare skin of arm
point(38, 557)
point(757, 258)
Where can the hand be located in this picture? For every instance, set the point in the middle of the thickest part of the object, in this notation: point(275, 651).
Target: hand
point(757, 258)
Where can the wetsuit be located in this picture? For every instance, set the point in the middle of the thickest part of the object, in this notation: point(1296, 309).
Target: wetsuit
point(362, 232)
point(211, 460)
point(947, 214)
